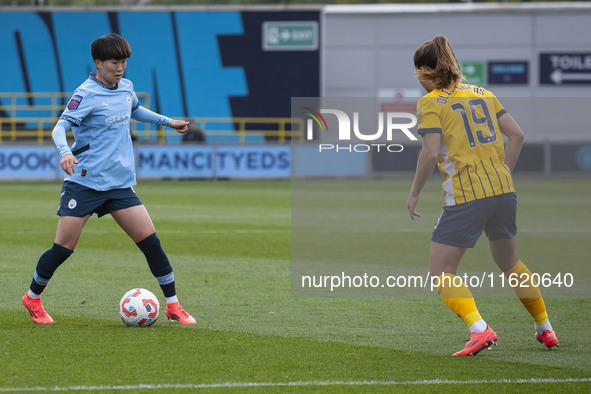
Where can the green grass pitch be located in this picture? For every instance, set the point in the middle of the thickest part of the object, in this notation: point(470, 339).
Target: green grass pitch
point(229, 243)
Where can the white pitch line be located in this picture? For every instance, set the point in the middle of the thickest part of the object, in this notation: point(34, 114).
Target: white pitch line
point(294, 384)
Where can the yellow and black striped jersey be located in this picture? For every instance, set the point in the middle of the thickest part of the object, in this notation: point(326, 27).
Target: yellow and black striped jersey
point(472, 154)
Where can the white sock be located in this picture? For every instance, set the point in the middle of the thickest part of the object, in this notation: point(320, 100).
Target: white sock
point(33, 295)
point(540, 328)
point(173, 299)
point(478, 327)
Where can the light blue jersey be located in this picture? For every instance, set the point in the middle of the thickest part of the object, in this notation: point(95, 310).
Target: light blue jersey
point(99, 118)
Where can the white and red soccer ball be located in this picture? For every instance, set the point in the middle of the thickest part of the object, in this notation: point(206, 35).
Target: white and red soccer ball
point(139, 308)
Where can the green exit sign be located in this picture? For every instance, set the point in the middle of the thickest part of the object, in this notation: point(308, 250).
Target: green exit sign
point(290, 36)
point(473, 71)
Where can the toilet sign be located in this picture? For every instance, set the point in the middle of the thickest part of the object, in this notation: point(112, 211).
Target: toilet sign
point(565, 69)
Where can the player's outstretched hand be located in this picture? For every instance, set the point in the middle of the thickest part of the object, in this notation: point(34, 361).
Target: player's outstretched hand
point(67, 163)
point(180, 125)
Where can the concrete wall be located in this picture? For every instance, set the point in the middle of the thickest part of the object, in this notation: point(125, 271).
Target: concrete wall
point(368, 53)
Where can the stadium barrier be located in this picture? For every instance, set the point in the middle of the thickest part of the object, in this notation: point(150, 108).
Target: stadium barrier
point(251, 129)
point(239, 147)
point(161, 161)
point(30, 117)
point(214, 161)
point(197, 161)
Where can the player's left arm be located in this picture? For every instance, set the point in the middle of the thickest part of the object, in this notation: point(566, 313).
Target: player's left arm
point(510, 128)
point(145, 115)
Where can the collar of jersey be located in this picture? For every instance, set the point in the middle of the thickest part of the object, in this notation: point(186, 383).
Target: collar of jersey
point(92, 76)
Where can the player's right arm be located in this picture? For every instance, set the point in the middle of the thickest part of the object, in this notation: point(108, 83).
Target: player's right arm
point(425, 164)
point(78, 108)
point(429, 127)
point(510, 128)
point(58, 134)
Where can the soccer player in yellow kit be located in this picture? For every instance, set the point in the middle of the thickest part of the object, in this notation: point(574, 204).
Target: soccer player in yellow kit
point(462, 127)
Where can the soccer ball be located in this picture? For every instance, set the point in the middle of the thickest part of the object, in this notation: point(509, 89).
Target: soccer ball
point(139, 308)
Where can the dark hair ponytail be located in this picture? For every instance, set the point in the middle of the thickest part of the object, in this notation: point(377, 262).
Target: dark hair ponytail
point(439, 63)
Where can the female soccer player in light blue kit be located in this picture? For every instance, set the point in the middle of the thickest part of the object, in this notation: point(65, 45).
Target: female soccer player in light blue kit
point(100, 173)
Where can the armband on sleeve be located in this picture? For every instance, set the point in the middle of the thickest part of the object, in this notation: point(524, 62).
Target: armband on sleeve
point(59, 136)
point(145, 115)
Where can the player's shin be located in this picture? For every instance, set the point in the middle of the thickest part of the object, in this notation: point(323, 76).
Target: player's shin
point(159, 264)
point(529, 294)
point(162, 270)
point(46, 266)
point(459, 299)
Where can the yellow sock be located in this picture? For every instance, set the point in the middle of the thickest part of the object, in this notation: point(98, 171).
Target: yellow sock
point(458, 298)
point(528, 292)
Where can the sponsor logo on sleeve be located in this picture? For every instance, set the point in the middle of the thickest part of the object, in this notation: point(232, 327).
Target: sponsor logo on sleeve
point(74, 102)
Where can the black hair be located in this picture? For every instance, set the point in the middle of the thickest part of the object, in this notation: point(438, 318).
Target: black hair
point(110, 46)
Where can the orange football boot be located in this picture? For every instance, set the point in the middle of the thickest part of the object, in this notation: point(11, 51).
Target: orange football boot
point(36, 310)
point(176, 312)
point(548, 338)
point(478, 342)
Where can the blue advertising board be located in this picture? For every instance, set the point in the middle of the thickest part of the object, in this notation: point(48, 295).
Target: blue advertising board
point(308, 161)
point(28, 162)
point(162, 161)
point(165, 161)
point(253, 161)
point(243, 161)
point(571, 158)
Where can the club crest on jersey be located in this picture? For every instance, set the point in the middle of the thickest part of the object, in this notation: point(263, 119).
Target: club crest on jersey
point(74, 102)
point(128, 98)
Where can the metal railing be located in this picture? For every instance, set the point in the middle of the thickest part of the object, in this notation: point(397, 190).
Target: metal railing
point(279, 130)
point(30, 118)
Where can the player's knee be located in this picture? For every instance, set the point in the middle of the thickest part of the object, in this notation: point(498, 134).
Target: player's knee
point(157, 259)
point(151, 242)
